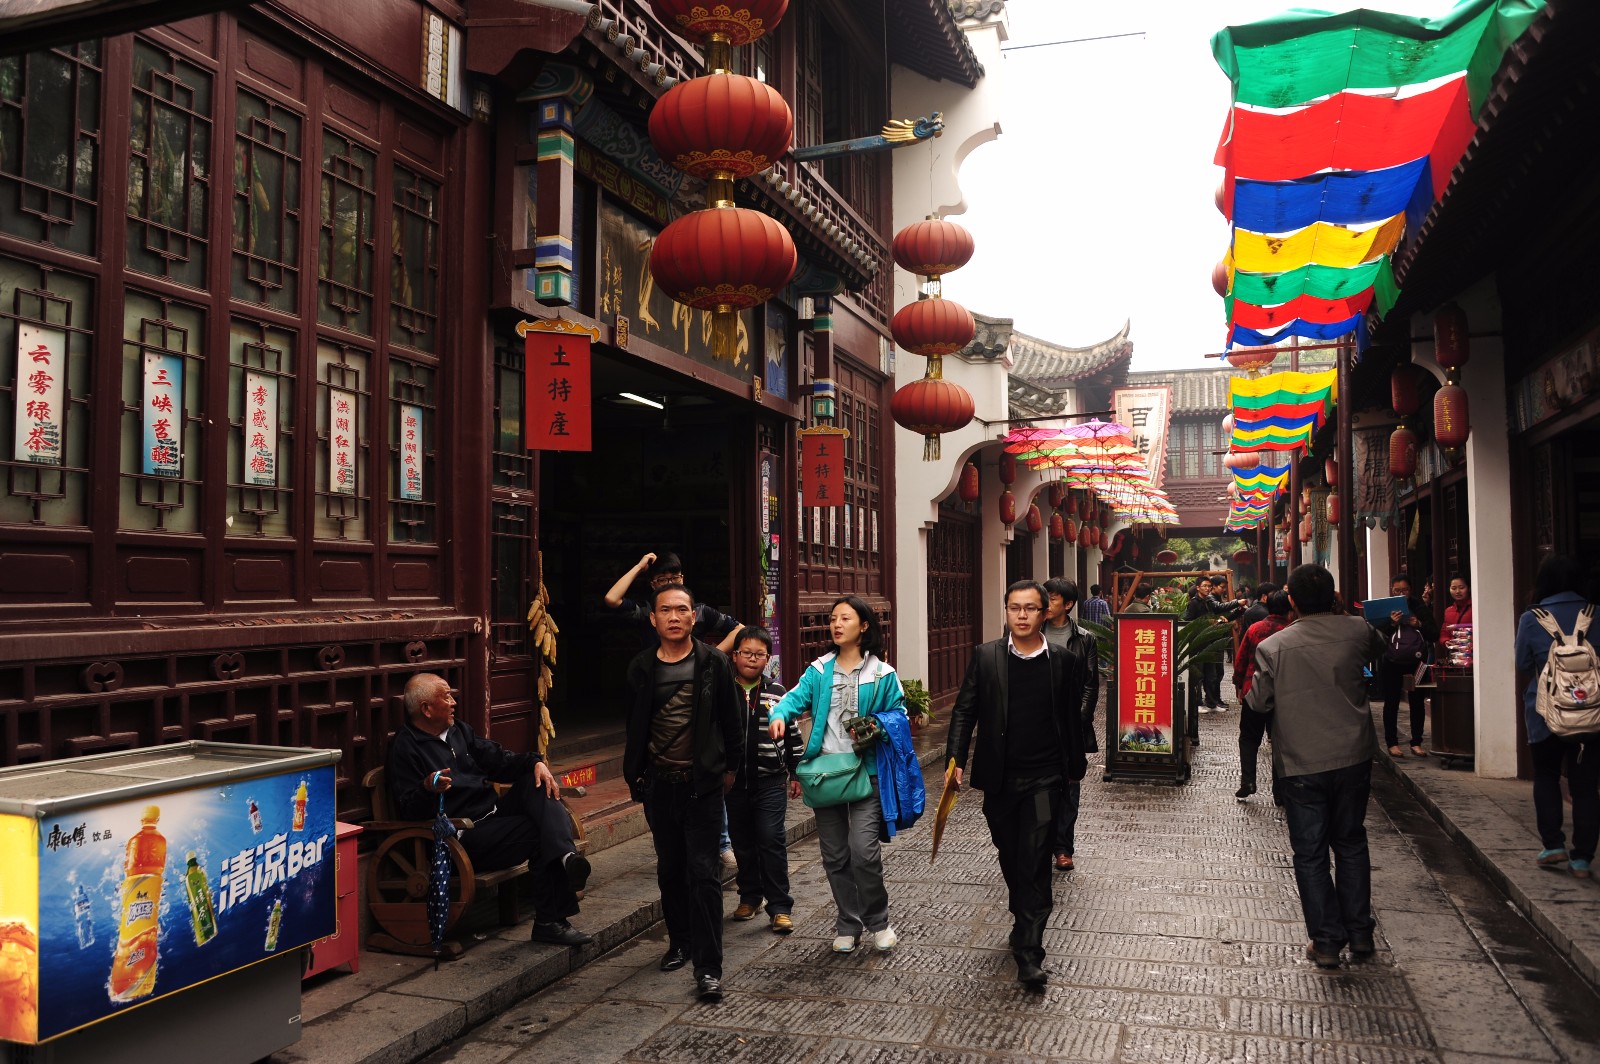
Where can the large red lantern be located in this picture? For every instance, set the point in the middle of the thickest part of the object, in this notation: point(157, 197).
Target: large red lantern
point(967, 487)
point(1072, 505)
point(1057, 495)
point(1451, 345)
point(930, 406)
point(1058, 527)
point(1083, 537)
point(1402, 453)
point(1330, 471)
point(1451, 417)
point(738, 23)
point(932, 247)
point(722, 126)
point(933, 327)
point(1034, 520)
point(1071, 530)
point(724, 260)
point(1095, 536)
point(1219, 279)
point(1008, 507)
point(1333, 507)
point(1104, 517)
point(1405, 389)
point(1166, 557)
point(1241, 459)
point(1008, 468)
point(1306, 529)
point(1252, 359)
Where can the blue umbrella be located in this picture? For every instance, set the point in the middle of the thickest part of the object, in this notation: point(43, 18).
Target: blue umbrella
point(439, 882)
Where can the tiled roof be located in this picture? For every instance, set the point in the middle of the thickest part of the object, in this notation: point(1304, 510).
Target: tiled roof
point(926, 38)
point(994, 336)
point(965, 9)
point(1043, 372)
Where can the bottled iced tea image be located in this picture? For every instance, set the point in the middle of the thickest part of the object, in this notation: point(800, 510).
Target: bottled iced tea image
point(133, 965)
point(274, 924)
point(300, 807)
point(201, 915)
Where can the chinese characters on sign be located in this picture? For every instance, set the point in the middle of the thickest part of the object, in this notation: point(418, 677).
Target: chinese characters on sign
point(558, 385)
point(260, 430)
point(163, 415)
point(40, 393)
point(822, 469)
point(343, 425)
point(1144, 684)
point(410, 452)
point(1146, 413)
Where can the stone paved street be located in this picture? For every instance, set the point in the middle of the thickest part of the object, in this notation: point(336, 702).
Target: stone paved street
point(1178, 938)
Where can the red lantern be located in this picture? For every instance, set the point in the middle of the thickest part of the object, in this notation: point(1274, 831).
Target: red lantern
point(1083, 537)
point(1058, 527)
point(737, 22)
point(1008, 507)
point(933, 327)
point(1404, 389)
point(1057, 495)
point(1071, 530)
point(1072, 505)
point(1243, 556)
point(1451, 417)
point(1333, 507)
point(1166, 557)
point(1252, 359)
point(1105, 517)
point(1220, 198)
point(932, 247)
point(721, 126)
point(1133, 552)
point(1008, 468)
point(1034, 520)
point(1330, 471)
point(967, 487)
point(1219, 279)
point(1306, 529)
point(723, 261)
point(1451, 345)
point(930, 406)
point(1096, 537)
point(1241, 459)
point(1402, 453)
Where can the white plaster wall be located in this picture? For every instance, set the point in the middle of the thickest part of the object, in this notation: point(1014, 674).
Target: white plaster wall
point(1378, 563)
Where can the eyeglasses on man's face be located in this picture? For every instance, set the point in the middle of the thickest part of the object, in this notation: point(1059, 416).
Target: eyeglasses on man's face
point(1023, 611)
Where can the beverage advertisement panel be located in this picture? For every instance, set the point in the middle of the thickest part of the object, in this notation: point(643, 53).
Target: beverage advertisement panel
point(19, 929)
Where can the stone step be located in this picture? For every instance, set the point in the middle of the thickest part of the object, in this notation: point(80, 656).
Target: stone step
point(608, 813)
point(606, 761)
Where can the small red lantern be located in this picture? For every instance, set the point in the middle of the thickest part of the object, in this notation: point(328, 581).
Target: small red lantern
point(930, 406)
point(1008, 468)
point(1405, 389)
point(1034, 520)
point(721, 126)
point(1104, 517)
point(1252, 359)
point(1133, 552)
point(1008, 507)
point(1306, 529)
point(1451, 345)
point(1058, 527)
point(1083, 537)
point(1071, 530)
point(967, 487)
point(1072, 505)
point(1220, 197)
point(1333, 507)
point(724, 261)
point(1241, 459)
point(1451, 417)
point(932, 247)
point(1243, 556)
point(1096, 537)
point(1219, 279)
point(738, 22)
point(1057, 495)
point(1402, 453)
point(1166, 557)
point(931, 327)
point(1330, 471)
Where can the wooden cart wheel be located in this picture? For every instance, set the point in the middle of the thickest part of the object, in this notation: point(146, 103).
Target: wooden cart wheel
point(397, 890)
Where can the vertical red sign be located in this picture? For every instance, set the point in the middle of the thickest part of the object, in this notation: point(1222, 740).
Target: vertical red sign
point(822, 466)
point(559, 394)
point(1145, 648)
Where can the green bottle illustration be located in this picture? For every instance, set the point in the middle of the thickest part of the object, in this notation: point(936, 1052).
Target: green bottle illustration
point(201, 914)
point(274, 924)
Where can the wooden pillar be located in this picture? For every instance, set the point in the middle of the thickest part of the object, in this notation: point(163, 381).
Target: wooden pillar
point(824, 392)
point(1345, 424)
point(554, 107)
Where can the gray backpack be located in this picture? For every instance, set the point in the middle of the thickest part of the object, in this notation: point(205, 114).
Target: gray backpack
point(1567, 694)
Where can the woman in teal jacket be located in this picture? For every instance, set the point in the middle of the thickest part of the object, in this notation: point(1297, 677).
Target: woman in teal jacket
point(851, 681)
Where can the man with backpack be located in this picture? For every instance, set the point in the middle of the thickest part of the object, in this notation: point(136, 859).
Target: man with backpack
point(1409, 635)
point(1559, 707)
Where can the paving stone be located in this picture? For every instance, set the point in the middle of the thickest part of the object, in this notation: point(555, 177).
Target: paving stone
point(1390, 1027)
point(755, 1012)
point(843, 1052)
point(1163, 1046)
point(1048, 1036)
point(690, 1043)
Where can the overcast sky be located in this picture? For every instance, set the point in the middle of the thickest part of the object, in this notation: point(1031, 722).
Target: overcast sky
point(1095, 205)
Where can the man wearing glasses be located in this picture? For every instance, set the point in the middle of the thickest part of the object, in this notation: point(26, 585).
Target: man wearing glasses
point(766, 780)
point(1025, 703)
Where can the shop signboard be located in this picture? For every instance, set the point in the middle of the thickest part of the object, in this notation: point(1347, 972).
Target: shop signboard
point(822, 471)
point(1146, 720)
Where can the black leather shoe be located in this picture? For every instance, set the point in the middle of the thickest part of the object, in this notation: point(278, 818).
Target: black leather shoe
point(560, 933)
point(1362, 947)
point(676, 958)
point(1245, 790)
point(709, 987)
point(576, 867)
point(1321, 956)
point(1032, 977)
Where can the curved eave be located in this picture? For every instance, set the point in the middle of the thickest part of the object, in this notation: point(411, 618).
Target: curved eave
point(924, 37)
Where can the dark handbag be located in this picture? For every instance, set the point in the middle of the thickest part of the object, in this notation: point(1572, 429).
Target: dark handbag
point(833, 779)
point(1406, 646)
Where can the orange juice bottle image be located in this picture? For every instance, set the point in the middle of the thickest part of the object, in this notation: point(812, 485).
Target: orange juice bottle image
point(133, 965)
point(299, 823)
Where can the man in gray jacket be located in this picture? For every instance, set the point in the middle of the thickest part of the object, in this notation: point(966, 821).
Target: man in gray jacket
point(1311, 674)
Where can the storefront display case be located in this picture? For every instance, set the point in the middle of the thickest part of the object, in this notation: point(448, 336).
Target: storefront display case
point(1454, 726)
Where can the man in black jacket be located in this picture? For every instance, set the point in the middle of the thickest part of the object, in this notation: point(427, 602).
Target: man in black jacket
point(685, 740)
point(1026, 703)
point(1393, 674)
point(1064, 635)
point(1205, 604)
point(434, 754)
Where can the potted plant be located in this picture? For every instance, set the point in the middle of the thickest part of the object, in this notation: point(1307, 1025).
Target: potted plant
point(918, 705)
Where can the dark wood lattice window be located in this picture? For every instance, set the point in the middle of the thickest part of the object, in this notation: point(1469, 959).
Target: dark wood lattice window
point(414, 273)
point(50, 145)
point(413, 450)
point(343, 394)
point(162, 338)
point(848, 540)
point(346, 252)
point(953, 579)
point(261, 445)
point(266, 202)
point(512, 582)
point(169, 165)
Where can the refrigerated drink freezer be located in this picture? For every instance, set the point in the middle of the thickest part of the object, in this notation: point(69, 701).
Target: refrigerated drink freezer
point(157, 900)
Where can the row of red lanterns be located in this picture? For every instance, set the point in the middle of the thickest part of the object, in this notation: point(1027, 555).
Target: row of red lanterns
point(1452, 420)
point(932, 327)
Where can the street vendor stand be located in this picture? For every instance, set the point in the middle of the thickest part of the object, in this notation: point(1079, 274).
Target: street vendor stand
point(1147, 733)
point(153, 904)
point(1455, 736)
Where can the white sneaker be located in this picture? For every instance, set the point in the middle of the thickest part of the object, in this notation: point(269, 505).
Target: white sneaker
point(885, 940)
point(844, 944)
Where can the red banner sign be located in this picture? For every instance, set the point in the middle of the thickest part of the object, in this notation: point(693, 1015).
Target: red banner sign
point(822, 466)
point(580, 777)
point(558, 386)
point(1145, 649)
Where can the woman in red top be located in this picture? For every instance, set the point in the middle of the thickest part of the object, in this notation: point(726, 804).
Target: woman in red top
point(1460, 609)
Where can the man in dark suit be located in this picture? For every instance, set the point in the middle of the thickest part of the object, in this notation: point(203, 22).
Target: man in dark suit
point(1025, 702)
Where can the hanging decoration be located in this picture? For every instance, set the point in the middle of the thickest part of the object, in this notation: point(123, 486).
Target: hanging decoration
point(1034, 521)
point(1008, 469)
point(1058, 527)
point(1167, 557)
point(933, 327)
point(932, 248)
point(1333, 507)
point(1402, 453)
point(968, 486)
point(1451, 420)
point(1452, 423)
point(930, 406)
point(1330, 471)
point(1451, 345)
point(1057, 494)
point(1281, 411)
point(1083, 537)
point(1008, 507)
point(1405, 389)
point(1071, 531)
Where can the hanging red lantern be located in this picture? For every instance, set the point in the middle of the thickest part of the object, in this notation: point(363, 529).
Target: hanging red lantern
point(723, 126)
point(738, 22)
point(1306, 529)
point(1333, 507)
point(932, 247)
point(1241, 459)
point(1096, 537)
point(1057, 494)
point(1252, 359)
point(1451, 345)
point(724, 261)
point(1227, 425)
point(967, 487)
point(1072, 504)
point(1402, 453)
point(1071, 530)
point(1244, 556)
point(1330, 471)
point(1034, 520)
point(1451, 416)
point(1219, 279)
point(1104, 517)
point(1133, 551)
point(1008, 507)
point(1166, 557)
point(1220, 198)
point(1058, 527)
point(933, 327)
point(931, 406)
point(1405, 386)
point(1008, 468)
point(1083, 537)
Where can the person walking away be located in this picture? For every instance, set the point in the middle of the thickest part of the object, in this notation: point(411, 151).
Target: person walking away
point(1311, 676)
point(1068, 638)
point(1556, 590)
point(434, 754)
point(1252, 726)
point(764, 782)
point(853, 681)
point(1096, 610)
point(685, 738)
point(1395, 670)
point(1025, 702)
point(1205, 604)
point(1141, 598)
point(1257, 611)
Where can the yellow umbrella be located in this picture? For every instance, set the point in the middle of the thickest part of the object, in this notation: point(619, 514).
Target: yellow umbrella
point(947, 802)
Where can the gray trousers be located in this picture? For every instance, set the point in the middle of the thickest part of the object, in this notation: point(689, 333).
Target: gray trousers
point(850, 837)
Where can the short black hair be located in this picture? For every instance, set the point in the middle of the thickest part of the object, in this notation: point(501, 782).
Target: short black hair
point(1311, 587)
point(1397, 577)
point(756, 632)
point(1278, 604)
point(1094, 590)
point(1028, 585)
point(872, 636)
point(1557, 573)
point(656, 593)
point(666, 562)
point(1067, 589)
point(1265, 589)
point(1144, 589)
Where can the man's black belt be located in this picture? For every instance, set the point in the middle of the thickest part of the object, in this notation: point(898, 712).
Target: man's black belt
point(672, 775)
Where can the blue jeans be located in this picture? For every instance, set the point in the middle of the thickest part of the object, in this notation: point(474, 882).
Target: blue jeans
point(1328, 810)
point(756, 822)
point(684, 827)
